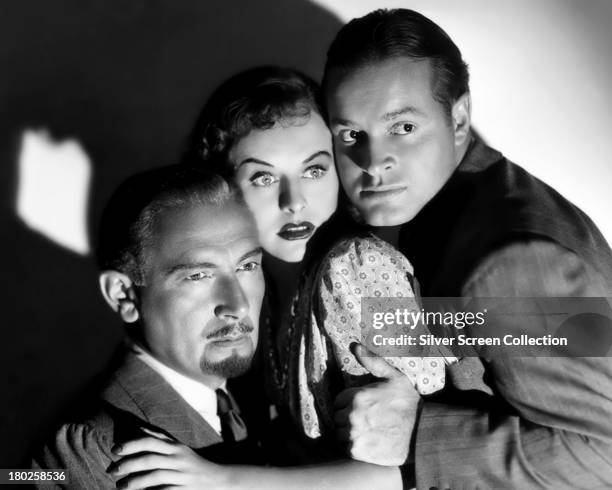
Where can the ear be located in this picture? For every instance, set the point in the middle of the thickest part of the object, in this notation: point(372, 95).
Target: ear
point(119, 292)
point(461, 119)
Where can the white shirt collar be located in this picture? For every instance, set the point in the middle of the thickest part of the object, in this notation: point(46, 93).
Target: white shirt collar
point(202, 398)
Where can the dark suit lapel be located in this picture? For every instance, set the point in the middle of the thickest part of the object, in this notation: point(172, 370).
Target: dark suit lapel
point(139, 390)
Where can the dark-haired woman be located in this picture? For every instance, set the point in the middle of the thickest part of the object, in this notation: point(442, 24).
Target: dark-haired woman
point(267, 125)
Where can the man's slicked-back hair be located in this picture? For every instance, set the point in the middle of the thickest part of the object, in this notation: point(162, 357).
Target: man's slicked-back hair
point(128, 223)
point(257, 98)
point(385, 34)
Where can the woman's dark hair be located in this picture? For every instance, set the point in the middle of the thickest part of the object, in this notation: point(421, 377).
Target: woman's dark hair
point(385, 34)
point(257, 98)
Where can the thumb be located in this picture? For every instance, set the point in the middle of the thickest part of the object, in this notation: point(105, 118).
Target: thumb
point(374, 364)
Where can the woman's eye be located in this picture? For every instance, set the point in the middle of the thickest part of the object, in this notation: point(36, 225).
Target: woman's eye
point(263, 179)
point(249, 267)
point(403, 128)
point(348, 136)
point(315, 172)
point(198, 276)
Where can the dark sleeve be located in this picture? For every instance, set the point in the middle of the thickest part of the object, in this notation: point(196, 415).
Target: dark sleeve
point(552, 425)
point(79, 450)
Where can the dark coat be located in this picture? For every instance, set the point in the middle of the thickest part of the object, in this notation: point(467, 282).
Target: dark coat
point(494, 230)
point(135, 397)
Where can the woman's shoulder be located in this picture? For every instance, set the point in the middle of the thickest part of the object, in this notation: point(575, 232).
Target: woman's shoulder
point(365, 250)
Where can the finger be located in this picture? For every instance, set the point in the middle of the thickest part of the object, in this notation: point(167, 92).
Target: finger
point(145, 445)
point(345, 398)
point(143, 462)
point(374, 364)
point(159, 435)
point(149, 479)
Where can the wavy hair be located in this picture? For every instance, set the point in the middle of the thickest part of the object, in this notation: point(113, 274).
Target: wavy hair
point(258, 98)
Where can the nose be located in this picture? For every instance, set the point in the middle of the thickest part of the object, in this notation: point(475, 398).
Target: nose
point(291, 199)
point(232, 303)
point(376, 158)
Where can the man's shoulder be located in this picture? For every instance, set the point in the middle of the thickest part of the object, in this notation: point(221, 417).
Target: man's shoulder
point(86, 428)
point(500, 188)
point(82, 446)
point(91, 426)
point(498, 203)
point(507, 203)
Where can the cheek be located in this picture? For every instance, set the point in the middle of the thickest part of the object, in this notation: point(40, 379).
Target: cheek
point(254, 289)
point(263, 204)
point(169, 319)
point(348, 171)
point(323, 197)
point(430, 163)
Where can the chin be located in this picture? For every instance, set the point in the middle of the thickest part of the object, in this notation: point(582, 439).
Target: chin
point(293, 255)
point(381, 218)
point(387, 214)
point(230, 367)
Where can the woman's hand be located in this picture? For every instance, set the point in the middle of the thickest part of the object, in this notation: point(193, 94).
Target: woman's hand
point(159, 460)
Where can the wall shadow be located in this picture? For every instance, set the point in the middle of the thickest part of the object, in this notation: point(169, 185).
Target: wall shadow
point(127, 80)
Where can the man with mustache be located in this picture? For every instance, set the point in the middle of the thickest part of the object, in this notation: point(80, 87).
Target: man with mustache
point(180, 264)
point(472, 224)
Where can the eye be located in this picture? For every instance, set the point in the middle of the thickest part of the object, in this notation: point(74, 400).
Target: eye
point(348, 136)
point(315, 172)
point(198, 276)
point(249, 267)
point(403, 128)
point(263, 179)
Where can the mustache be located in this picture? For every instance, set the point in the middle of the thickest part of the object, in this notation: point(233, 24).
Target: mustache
point(225, 330)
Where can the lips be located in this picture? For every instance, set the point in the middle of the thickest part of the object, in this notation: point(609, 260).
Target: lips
point(231, 341)
point(296, 231)
point(381, 192)
point(230, 335)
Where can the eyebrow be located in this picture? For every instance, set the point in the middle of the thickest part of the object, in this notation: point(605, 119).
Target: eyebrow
point(316, 155)
point(342, 122)
point(207, 265)
point(254, 160)
point(263, 162)
point(187, 266)
point(252, 253)
point(389, 116)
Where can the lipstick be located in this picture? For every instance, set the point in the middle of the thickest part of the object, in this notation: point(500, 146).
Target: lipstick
point(296, 231)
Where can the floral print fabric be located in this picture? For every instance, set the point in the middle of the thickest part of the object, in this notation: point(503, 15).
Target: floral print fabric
point(321, 364)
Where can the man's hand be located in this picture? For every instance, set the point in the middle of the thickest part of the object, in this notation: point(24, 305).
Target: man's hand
point(376, 421)
point(160, 461)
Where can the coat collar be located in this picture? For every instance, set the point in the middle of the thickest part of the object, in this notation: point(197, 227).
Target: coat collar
point(137, 389)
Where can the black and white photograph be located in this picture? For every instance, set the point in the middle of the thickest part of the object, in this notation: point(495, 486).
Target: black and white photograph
point(306, 244)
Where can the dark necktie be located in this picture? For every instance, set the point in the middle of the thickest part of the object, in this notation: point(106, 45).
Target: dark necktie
point(232, 426)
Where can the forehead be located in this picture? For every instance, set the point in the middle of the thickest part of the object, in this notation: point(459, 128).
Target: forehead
point(223, 231)
point(284, 143)
point(381, 87)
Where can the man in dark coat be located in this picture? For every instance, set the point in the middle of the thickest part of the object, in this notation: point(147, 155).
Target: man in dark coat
point(190, 293)
point(473, 224)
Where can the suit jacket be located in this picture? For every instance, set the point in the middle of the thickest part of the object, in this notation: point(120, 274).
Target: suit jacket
point(135, 397)
point(514, 422)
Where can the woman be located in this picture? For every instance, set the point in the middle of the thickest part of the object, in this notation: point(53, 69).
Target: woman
point(267, 125)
